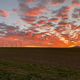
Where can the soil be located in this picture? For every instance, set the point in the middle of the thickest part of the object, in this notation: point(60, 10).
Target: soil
point(55, 57)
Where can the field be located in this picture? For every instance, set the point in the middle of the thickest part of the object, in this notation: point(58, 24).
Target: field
point(39, 65)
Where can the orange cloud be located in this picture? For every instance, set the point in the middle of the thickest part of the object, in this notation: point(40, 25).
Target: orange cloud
point(31, 1)
point(55, 4)
point(35, 12)
point(77, 4)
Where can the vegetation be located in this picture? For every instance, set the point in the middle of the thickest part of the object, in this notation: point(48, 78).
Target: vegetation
point(14, 71)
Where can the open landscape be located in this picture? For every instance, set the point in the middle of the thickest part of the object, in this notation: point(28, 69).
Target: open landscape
point(39, 64)
point(34, 24)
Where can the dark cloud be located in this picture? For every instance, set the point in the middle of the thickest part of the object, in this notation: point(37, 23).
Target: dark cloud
point(57, 1)
point(76, 1)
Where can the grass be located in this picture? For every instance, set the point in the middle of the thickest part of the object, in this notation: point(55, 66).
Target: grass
point(13, 71)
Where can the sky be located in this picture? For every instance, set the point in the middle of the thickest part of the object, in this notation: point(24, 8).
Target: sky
point(9, 5)
point(54, 14)
point(14, 17)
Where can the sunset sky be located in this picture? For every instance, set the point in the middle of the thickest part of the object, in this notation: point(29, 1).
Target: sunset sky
point(12, 8)
point(10, 5)
point(60, 18)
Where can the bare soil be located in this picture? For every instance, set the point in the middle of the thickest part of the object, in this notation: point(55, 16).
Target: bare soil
point(55, 57)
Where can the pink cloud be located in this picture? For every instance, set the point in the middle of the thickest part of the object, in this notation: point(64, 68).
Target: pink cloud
point(35, 12)
point(76, 3)
point(4, 13)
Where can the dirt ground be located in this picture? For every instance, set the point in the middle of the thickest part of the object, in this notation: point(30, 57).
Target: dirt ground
point(56, 57)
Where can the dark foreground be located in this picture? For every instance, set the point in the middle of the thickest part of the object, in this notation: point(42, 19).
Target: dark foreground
point(39, 64)
point(59, 57)
point(12, 71)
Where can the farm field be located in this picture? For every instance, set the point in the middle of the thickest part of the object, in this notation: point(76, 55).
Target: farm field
point(39, 65)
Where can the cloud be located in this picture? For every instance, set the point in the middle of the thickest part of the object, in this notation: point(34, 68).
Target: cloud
point(32, 8)
point(76, 2)
point(29, 19)
point(4, 13)
point(35, 12)
point(57, 1)
point(15, 10)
